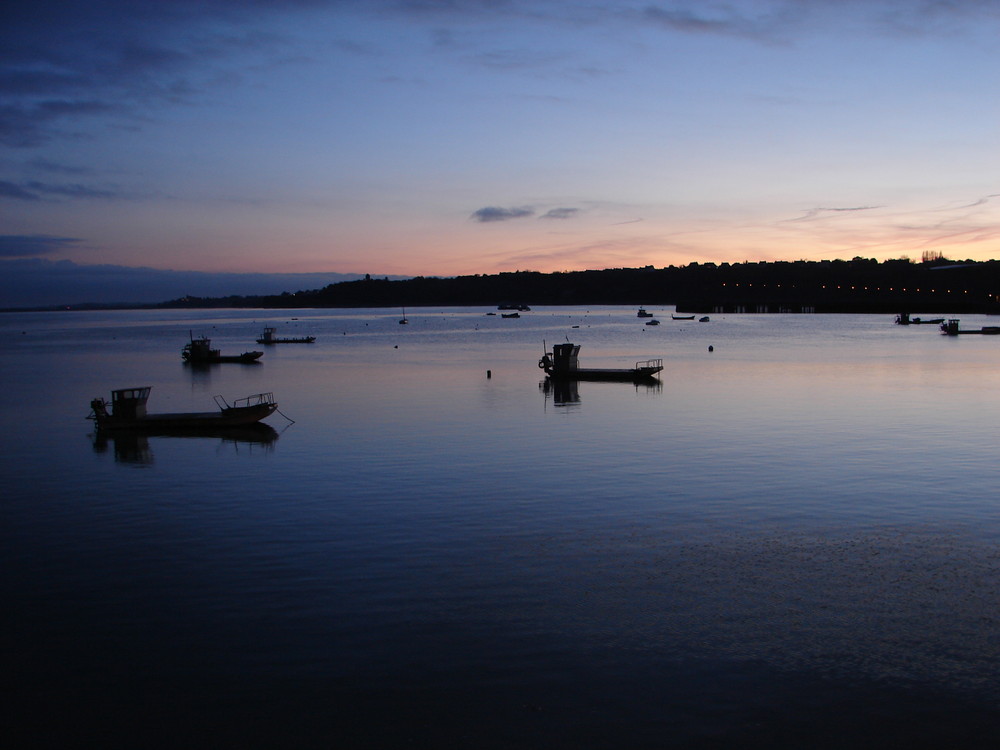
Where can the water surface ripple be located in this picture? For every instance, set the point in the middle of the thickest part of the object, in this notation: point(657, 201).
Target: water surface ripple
point(789, 541)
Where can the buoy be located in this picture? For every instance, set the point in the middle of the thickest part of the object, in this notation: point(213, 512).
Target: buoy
point(489, 373)
point(711, 348)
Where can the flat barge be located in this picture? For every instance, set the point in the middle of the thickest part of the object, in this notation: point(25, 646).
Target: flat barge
point(562, 363)
point(951, 329)
point(269, 337)
point(199, 351)
point(128, 411)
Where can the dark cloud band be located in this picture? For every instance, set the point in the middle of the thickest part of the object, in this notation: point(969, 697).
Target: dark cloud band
point(495, 213)
point(32, 245)
point(561, 213)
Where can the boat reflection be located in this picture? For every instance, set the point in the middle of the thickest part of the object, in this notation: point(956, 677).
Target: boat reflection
point(566, 393)
point(132, 446)
point(562, 392)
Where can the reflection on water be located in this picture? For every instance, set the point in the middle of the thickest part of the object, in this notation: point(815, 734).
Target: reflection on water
point(789, 541)
point(562, 392)
point(567, 392)
point(132, 446)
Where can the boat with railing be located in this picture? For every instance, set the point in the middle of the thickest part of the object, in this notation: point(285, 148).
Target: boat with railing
point(563, 363)
point(199, 351)
point(127, 410)
point(269, 337)
point(951, 329)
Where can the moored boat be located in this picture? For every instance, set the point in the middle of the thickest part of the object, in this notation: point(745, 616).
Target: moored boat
point(951, 329)
point(562, 363)
point(643, 314)
point(199, 351)
point(268, 337)
point(128, 411)
point(904, 319)
point(682, 317)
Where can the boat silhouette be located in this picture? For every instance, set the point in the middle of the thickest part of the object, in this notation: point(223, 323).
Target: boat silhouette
point(128, 411)
point(199, 351)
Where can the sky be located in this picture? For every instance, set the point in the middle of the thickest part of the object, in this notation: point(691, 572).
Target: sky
point(452, 137)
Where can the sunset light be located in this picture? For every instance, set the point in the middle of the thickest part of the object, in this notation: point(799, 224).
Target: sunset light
point(457, 138)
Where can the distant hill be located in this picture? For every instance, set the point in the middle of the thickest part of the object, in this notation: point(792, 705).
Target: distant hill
point(38, 282)
point(857, 285)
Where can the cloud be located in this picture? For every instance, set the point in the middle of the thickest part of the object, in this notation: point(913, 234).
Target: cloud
point(780, 21)
point(33, 190)
point(495, 213)
point(682, 19)
point(70, 191)
point(31, 245)
point(724, 20)
point(978, 202)
point(16, 192)
point(64, 63)
point(819, 210)
point(560, 213)
point(30, 124)
point(45, 165)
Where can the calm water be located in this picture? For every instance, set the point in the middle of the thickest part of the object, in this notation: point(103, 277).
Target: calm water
point(791, 542)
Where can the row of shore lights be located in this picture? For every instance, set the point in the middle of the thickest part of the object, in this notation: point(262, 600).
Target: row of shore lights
point(877, 289)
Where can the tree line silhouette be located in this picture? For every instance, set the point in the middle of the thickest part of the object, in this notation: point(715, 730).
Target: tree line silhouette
point(857, 285)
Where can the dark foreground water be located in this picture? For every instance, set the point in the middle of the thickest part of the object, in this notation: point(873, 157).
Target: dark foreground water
point(791, 542)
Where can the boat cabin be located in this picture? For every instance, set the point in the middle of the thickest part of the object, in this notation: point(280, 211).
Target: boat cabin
point(129, 403)
point(200, 349)
point(565, 357)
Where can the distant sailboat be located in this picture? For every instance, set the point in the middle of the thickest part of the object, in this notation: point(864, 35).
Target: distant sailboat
point(403, 321)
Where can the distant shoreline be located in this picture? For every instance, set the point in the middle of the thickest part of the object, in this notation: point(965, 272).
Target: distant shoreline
point(855, 286)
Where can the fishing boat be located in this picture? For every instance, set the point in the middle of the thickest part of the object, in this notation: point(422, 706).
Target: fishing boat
point(904, 319)
point(268, 337)
point(643, 314)
point(562, 363)
point(128, 411)
point(951, 329)
point(199, 351)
